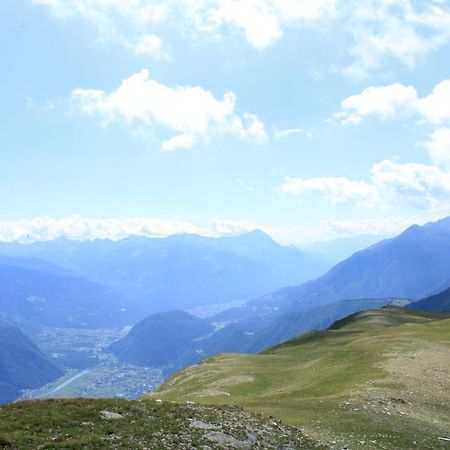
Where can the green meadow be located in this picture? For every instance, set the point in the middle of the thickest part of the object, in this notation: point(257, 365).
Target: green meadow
point(377, 379)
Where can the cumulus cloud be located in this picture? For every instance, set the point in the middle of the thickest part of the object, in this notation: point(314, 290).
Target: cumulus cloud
point(435, 107)
point(261, 21)
point(404, 30)
point(193, 113)
point(391, 185)
point(439, 147)
point(397, 101)
point(150, 45)
point(126, 22)
point(336, 190)
point(379, 29)
point(413, 185)
point(181, 141)
point(386, 102)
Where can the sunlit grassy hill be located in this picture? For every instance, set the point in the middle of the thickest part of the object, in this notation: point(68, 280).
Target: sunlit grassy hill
point(377, 379)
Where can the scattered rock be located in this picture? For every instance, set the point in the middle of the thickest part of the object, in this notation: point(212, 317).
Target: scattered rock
point(110, 415)
point(225, 439)
point(87, 424)
point(203, 425)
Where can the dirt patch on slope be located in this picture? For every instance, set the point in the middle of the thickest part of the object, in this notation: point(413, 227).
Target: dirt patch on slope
point(217, 387)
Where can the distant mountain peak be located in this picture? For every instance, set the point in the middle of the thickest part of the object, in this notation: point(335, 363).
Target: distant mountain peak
point(256, 234)
point(413, 230)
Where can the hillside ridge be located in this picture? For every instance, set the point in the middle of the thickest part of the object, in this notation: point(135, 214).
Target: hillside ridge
point(376, 379)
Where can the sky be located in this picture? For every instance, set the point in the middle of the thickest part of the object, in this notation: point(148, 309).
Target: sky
point(309, 119)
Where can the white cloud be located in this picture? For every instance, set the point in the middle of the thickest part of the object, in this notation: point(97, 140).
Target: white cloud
point(439, 147)
point(412, 185)
point(286, 132)
point(224, 227)
point(181, 141)
point(150, 45)
point(400, 29)
point(126, 22)
point(391, 185)
point(380, 29)
point(397, 101)
point(336, 190)
point(334, 228)
point(82, 228)
point(435, 107)
point(191, 112)
point(77, 227)
point(104, 14)
point(261, 21)
point(385, 102)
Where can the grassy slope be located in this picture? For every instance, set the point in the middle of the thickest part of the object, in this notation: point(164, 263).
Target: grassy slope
point(378, 379)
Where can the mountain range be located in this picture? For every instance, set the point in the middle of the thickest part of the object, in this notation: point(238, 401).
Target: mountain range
point(435, 303)
point(413, 265)
point(393, 271)
point(86, 284)
point(177, 272)
point(35, 298)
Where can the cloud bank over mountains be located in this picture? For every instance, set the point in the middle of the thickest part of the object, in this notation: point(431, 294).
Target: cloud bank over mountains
point(84, 228)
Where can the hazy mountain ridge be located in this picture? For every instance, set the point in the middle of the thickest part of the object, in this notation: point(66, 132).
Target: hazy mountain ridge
point(34, 264)
point(35, 298)
point(343, 248)
point(413, 265)
point(435, 303)
point(408, 266)
point(181, 271)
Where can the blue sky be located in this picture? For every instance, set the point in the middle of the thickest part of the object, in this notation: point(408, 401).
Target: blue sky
point(309, 119)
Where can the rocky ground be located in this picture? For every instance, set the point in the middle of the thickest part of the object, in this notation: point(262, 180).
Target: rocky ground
point(146, 424)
